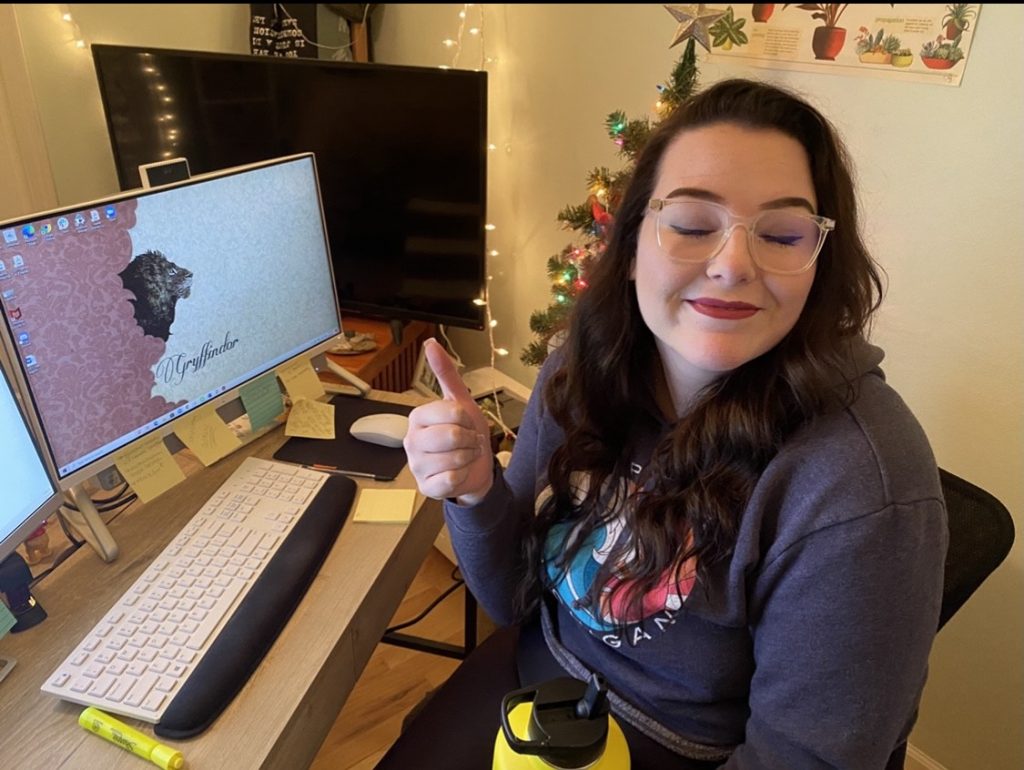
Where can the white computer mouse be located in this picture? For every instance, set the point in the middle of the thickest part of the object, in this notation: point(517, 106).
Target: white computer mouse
point(382, 429)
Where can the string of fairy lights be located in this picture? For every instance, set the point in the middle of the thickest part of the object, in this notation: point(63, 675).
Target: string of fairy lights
point(471, 27)
point(167, 120)
point(471, 30)
point(76, 32)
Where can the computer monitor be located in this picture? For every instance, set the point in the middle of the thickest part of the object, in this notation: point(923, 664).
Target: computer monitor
point(30, 490)
point(401, 153)
point(127, 313)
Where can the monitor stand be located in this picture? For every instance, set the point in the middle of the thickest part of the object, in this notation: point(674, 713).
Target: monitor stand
point(86, 522)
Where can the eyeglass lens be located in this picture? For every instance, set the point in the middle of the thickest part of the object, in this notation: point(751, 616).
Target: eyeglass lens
point(784, 241)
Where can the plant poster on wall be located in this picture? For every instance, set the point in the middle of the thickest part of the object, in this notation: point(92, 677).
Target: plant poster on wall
point(927, 43)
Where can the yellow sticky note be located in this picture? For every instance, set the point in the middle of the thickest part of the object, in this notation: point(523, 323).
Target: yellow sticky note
point(149, 468)
point(204, 432)
point(310, 419)
point(385, 505)
point(300, 380)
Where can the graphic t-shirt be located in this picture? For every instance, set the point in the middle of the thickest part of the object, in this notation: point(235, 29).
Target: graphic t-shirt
point(571, 583)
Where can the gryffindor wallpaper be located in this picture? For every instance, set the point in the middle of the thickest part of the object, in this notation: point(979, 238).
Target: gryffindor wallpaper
point(125, 312)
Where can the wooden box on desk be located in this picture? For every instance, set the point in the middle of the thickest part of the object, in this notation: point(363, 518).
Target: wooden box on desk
point(390, 366)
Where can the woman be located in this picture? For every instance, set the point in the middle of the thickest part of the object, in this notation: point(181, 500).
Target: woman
point(725, 510)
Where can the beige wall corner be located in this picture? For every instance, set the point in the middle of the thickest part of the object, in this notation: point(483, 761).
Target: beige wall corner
point(28, 180)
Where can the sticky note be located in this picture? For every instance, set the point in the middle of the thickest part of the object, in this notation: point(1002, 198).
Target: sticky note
point(385, 505)
point(262, 400)
point(149, 468)
point(7, 620)
point(204, 432)
point(300, 380)
point(310, 419)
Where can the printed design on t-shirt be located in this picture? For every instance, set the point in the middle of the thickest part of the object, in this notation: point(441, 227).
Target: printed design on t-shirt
point(659, 605)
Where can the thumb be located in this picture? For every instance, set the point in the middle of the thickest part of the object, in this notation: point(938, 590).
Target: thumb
point(448, 378)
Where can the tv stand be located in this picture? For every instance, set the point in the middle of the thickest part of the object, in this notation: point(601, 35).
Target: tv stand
point(396, 331)
point(86, 522)
point(389, 366)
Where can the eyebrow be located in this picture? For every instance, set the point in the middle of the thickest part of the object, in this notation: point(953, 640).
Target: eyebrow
point(706, 195)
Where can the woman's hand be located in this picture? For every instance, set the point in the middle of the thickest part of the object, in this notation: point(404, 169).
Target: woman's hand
point(448, 441)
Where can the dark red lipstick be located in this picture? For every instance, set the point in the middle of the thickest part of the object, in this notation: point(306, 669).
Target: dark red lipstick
point(717, 308)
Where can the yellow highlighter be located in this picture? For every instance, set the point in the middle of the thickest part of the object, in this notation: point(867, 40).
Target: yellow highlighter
point(105, 726)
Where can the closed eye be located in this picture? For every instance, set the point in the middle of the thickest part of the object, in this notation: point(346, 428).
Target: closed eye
point(691, 232)
point(782, 240)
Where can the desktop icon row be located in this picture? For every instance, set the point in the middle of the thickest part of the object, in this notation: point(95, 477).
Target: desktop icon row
point(81, 219)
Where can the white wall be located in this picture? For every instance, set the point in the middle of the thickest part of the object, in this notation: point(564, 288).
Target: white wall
point(941, 175)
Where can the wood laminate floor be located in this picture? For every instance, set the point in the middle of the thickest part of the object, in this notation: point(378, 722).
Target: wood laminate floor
point(396, 679)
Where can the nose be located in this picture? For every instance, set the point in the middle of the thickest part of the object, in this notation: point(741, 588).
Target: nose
point(733, 262)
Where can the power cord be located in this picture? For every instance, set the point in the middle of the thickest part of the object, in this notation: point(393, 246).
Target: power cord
point(118, 500)
point(106, 504)
point(430, 607)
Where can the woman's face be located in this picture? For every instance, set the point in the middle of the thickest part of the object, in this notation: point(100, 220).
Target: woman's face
point(699, 337)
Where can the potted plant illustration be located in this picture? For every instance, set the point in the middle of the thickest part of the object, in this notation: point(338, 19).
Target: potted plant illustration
point(958, 19)
point(902, 58)
point(762, 11)
point(829, 38)
point(728, 31)
point(877, 48)
point(941, 55)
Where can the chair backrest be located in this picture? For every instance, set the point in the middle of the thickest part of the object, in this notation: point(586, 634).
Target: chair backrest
point(980, 535)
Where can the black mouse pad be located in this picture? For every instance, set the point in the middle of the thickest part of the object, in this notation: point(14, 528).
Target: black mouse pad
point(343, 452)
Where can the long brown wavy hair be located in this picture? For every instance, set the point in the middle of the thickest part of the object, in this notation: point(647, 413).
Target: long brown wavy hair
point(694, 489)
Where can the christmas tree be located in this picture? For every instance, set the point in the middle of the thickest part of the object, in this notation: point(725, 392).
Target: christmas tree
point(593, 218)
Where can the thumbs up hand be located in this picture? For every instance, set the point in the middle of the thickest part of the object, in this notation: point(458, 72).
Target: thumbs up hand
point(448, 441)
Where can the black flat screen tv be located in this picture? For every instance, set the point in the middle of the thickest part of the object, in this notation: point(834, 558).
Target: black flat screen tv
point(400, 151)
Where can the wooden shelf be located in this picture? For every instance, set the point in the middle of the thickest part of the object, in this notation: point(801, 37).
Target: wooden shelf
point(389, 367)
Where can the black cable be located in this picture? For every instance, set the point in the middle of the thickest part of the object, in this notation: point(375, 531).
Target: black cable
point(105, 505)
point(109, 503)
point(444, 595)
point(67, 530)
point(61, 557)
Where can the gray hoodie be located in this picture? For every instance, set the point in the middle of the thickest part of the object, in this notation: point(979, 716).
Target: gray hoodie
point(808, 648)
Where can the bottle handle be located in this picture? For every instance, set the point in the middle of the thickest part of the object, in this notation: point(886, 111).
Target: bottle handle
point(509, 702)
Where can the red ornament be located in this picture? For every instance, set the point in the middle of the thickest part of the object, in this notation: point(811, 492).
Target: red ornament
point(602, 217)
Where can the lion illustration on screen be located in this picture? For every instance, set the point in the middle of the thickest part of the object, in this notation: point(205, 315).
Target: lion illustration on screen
point(157, 284)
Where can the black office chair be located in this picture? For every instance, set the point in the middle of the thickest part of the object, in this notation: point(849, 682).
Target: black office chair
point(980, 535)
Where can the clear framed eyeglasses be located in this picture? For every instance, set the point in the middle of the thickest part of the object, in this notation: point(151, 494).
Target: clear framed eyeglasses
point(781, 241)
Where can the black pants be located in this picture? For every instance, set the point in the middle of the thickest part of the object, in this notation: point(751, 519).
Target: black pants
point(456, 728)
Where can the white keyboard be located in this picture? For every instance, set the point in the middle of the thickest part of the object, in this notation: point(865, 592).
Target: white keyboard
point(139, 655)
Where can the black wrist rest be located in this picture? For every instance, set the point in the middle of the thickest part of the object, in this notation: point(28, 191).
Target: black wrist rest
point(263, 612)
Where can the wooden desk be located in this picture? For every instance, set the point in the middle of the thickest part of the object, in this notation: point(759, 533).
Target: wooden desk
point(283, 713)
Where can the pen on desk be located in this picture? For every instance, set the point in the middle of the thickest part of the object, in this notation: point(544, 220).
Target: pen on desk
point(340, 472)
point(105, 726)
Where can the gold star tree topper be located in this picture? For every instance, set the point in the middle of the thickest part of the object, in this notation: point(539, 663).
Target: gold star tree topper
point(694, 21)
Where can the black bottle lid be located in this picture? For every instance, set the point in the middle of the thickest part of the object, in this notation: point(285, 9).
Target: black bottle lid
point(568, 725)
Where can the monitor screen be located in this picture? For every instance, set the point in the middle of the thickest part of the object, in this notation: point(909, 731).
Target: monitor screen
point(401, 153)
point(30, 493)
point(129, 312)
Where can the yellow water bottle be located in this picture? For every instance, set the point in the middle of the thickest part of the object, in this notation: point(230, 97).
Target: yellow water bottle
point(568, 726)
